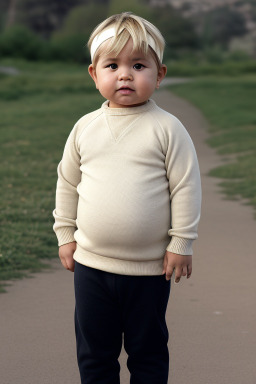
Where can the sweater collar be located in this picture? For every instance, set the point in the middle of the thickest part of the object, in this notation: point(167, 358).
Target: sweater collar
point(127, 111)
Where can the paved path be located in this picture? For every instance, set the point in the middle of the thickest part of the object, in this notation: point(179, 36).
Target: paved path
point(9, 70)
point(211, 317)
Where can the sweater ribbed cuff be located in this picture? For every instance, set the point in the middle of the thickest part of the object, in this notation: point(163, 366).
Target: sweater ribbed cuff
point(65, 235)
point(180, 246)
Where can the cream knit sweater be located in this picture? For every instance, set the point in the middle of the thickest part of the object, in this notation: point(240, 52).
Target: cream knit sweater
point(128, 189)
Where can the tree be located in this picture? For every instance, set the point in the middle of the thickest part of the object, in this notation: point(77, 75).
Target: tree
point(137, 7)
point(4, 7)
point(44, 16)
point(179, 33)
point(11, 13)
point(82, 20)
point(221, 25)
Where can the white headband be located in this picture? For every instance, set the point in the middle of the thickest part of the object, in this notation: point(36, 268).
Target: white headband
point(108, 33)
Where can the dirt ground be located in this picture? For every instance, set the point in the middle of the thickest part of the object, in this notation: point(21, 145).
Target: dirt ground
point(211, 317)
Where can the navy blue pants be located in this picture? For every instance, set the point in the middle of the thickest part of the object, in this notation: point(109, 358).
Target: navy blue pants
point(112, 308)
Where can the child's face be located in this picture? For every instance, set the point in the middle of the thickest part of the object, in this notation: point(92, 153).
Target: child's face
point(127, 80)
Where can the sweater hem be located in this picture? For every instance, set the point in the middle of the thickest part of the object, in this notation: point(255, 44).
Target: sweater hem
point(119, 266)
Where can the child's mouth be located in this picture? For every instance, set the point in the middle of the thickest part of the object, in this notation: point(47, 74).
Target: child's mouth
point(125, 90)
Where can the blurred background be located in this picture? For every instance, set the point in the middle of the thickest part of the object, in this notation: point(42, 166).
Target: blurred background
point(45, 89)
point(208, 31)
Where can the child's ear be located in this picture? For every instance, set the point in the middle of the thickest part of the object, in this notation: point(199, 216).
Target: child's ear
point(92, 73)
point(161, 75)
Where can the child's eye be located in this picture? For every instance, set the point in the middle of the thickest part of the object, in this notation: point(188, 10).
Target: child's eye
point(112, 66)
point(138, 66)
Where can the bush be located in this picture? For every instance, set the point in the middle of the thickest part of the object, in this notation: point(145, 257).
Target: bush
point(19, 41)
point(238, 56)
point(68, 48)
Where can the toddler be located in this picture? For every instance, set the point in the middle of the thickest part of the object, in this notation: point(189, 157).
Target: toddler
point(127, 207)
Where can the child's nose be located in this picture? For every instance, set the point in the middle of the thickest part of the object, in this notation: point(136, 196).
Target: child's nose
point(125, 75)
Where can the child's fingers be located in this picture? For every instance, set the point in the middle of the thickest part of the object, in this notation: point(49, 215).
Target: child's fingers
point(164, 265)
point(189, 271)
point(169, 271)
point(184, 271)
point(66, 253)
point(178, 274)
point(182, 265)
point(68, 264)
point(71, 265)
point(63, 262)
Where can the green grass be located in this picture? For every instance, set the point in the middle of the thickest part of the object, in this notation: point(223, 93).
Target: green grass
point(229, 105)
point(194, 66)
point(38, 109)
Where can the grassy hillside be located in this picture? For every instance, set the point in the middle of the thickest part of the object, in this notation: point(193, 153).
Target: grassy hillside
point(229, 105)
point(38, 109)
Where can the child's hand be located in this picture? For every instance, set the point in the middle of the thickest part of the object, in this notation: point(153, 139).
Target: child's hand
point(66, 252)
point(181, 264)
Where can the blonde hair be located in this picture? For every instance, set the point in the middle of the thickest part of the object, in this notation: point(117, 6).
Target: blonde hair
point(127, 25)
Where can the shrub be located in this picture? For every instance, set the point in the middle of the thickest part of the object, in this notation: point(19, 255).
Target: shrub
point(68, 48)
point(19, 41)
